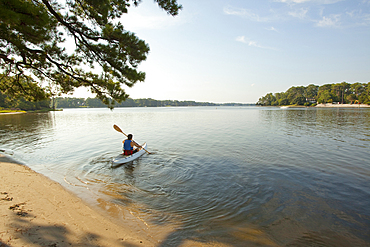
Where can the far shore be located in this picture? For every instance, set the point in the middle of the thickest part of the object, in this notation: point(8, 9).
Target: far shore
point(13, 112)
point(329, 105)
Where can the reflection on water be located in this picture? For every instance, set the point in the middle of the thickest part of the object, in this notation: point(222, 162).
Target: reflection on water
point(235, 176)
point(21, 130)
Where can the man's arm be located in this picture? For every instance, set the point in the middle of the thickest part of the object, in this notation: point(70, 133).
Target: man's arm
point(133, 143)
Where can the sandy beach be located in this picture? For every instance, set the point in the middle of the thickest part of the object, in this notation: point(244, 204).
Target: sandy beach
point(344, 105)
point(36, 211)
point(12, 113)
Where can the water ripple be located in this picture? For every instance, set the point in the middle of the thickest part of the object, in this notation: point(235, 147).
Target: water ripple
point(248, 176)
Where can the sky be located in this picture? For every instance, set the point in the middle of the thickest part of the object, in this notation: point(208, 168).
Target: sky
point(240, 50)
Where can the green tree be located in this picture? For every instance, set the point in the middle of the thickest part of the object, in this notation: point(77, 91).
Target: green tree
point(364, 97)
point(94, 102)
point(22, 93)
point(325, 96)
point(340, 90)
point(33, 36)
point(299, 100)
point(311, 91)
point(2, 101)
point(346, 91)
point(22, 86)
point(267, 100)
point(67, 102)
point(337, 91)
point(352, 97)
point(281, 99)
point(357, 88)
point(22, 103)
point(295, 93)
point(328, 93)
point(326, 87)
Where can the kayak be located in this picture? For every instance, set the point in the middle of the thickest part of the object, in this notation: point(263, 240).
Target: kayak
point(121, 159)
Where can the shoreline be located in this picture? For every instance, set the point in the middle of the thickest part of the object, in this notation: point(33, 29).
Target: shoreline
point(23, 112)
point(37, 211)
point(11, 113)
point(328, 105)
point(343, 105)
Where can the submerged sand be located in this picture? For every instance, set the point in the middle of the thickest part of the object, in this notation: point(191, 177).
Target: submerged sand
point(36, 211)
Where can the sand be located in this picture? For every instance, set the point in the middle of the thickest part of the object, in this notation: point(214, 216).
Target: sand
point(344, 105)
point(36, 211)
point(11, 113)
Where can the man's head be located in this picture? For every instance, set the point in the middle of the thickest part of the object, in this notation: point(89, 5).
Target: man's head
point(129, 136)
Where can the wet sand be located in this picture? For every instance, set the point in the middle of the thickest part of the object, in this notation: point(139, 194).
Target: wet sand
point(36, 211)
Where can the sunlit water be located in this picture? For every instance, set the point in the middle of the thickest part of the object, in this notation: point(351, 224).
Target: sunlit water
point(240, 176)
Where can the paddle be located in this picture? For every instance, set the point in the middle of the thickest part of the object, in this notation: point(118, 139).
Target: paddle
point(119, 130)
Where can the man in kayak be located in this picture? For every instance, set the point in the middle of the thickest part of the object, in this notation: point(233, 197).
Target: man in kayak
point(129, 144)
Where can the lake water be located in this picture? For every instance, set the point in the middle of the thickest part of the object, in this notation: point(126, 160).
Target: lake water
point(236, 176)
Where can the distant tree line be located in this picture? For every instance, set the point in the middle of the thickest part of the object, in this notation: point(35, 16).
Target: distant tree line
point(21, 103)
point(23, 93)
point(341, 93)
point(65, 102)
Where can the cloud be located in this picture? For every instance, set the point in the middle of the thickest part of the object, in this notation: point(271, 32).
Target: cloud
point(241, 39)
point(246, 13)
point(359, 17)
point(309, 11)
point(299, 13)
point(352, 13)
point(135, 21)
point(307, 1)
point(292, 1)
point(253, 43)
point(272, 29)
point(366, 17)
point(247, 41)
point(332, 21)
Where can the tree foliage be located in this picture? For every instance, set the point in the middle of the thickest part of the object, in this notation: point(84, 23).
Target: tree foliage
point(102, 56)
point(342, 93)
point(21, 103)
point(23, 93)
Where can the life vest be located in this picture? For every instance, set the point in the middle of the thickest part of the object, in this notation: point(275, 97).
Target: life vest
point(127, 149)
point(127, 145)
